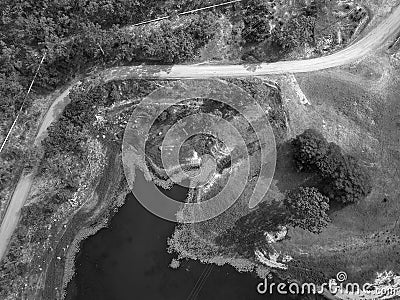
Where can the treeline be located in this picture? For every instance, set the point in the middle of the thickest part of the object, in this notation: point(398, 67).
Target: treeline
point(31, 27)
point(263, 22)
point(78, 35)
point(165, 44)
point(273, 29)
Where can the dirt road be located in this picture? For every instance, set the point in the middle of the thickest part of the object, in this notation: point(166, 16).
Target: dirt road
point(21, 192)
point(11, 217)
point(372, 41)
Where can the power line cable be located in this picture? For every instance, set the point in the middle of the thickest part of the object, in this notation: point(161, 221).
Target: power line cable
point(197, 282)
point(200, 282)
point(188, 12)
point(22, 105)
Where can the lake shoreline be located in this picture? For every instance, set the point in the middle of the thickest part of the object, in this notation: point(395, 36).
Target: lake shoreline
point(85, 233)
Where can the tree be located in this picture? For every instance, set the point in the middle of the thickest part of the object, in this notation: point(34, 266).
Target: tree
point(202, 28)
point(31, 215)
point(344, 179)
point(308, 209)
point(296, 32)
point(350, 182)
point(327, 164)
point(257, 17)
point(308, 148)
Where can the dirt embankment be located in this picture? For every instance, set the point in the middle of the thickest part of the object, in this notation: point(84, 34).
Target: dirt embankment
point(110, 192)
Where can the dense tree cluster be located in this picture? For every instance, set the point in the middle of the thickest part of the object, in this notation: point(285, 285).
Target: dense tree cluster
point(296, 32)
point(184, 5)
point(5, 174)
point(308, 209)
point(9, 158)
point(263, 22)
point(78, 35)
point(257, 18)
point(344, 179)
point(273, 30)
point(11, 264)
point(327, 163)
point(349, 182)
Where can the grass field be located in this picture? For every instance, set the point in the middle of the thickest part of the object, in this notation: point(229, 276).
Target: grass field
point(358, 111)
point(356, 107)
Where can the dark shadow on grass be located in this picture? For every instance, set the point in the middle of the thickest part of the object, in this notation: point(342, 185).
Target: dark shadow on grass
point(335, 207)
point(288, 178)
point(286, 175)
point(249, 230)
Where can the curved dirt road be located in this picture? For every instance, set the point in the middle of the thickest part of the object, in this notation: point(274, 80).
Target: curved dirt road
point(373, 40)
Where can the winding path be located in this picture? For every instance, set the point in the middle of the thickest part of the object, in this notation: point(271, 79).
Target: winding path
point(376, 38)
point(373, 40)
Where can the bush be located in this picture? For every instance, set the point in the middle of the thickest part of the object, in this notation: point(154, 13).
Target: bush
point(308, 209)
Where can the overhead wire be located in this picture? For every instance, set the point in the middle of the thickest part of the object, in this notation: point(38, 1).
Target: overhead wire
point(22, 105)
point(200, 282)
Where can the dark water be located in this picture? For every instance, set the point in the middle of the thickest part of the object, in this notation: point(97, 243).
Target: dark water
point(128, 260)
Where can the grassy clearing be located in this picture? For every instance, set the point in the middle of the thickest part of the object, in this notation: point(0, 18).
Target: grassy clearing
point(361, 115)
point(357, 108)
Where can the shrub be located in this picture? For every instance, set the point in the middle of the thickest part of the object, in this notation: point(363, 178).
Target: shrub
point(308, 209)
